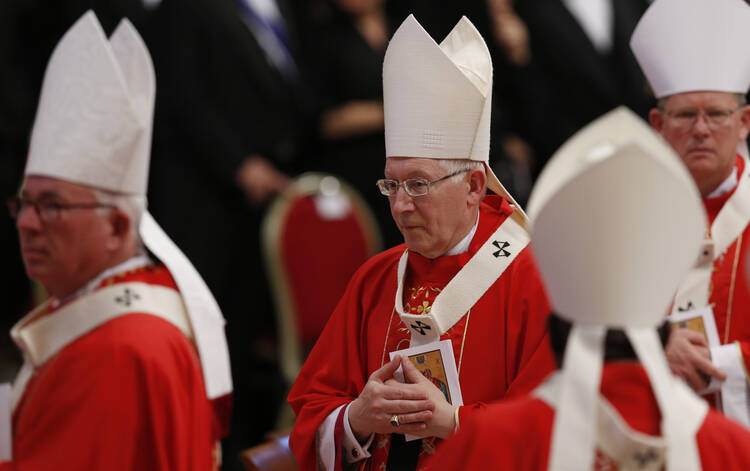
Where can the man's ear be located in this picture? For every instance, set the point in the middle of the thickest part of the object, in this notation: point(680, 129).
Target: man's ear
point(477, 185)
point(120, 224)
point(656, 119)
point(745, 122)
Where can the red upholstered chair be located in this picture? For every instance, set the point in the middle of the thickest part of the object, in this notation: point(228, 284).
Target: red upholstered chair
point(315, 235)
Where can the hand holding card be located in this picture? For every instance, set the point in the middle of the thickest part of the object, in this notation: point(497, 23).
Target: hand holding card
point(437, 367)
point(382, 398)
point(442, 423)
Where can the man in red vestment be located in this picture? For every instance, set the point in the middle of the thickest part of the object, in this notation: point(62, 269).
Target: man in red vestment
point(703, 115)
point(125, 365)
point(516, 434)
point(463, 282)
point(614, 403)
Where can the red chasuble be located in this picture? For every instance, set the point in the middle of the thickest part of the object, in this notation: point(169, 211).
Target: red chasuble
point(729, 291)
point(516, 434)
point(128, 395)
point(500, 346)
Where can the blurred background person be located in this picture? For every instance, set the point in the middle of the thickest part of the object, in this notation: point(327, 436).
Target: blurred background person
point(580, 67)
point(346, 57)
point(233, 123)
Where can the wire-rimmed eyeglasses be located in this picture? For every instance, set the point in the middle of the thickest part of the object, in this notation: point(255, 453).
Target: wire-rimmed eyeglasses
point(48, 211)
point(715, 118)
point(412, 186)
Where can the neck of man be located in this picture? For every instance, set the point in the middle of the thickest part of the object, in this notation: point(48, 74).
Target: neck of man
point(74, 285)
point(707, 184)
point(136, 260)
point(463, 245)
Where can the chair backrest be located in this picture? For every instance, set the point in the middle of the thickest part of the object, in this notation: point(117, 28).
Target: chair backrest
point(315, 236)
point(273, 455)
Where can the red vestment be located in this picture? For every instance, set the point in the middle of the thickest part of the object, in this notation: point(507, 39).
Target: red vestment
point(127, 395)
point(729, 282)
point(516, 434)
point(500, 346)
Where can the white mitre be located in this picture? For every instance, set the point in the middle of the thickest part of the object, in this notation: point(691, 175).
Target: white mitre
point(694, 45)
point(616, 223)
point(93, 127)
point(438, 98)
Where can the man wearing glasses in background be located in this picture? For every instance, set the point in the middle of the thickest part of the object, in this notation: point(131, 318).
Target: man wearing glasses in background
point(125, 365)
point(696, 56)
point(463, 277)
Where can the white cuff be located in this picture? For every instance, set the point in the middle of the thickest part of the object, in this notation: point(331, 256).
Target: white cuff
point(353, 450)
point(734, 391)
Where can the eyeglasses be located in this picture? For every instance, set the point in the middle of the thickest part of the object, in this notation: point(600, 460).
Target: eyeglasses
point(48, 211)
point(715, 118)
point(412, 186)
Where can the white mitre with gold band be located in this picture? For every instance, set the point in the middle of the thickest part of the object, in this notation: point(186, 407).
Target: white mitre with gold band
point(616, 220)
point(93, 127)
point(437, 98)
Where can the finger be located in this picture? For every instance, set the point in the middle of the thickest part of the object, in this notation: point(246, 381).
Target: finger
point(406, 407)
point(695, 338)
point(414, 417)
point(386, 371)
point(705, 366)
point(411, 373)
point(694, 379)
point(400, 391)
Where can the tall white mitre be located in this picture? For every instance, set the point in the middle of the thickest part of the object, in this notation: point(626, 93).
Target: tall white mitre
point(93, 127)
point(694, 45)
point(438, 98)
point(95, 113)
point(616, 222)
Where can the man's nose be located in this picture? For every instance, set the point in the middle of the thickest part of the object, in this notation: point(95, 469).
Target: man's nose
point(28, 219)
point(401, 201)
point(701, 126)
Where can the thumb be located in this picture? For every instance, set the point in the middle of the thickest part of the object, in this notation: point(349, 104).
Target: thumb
point(386, 371)
point(411, 373)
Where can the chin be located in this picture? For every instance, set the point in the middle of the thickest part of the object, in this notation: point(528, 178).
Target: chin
point(415, 246)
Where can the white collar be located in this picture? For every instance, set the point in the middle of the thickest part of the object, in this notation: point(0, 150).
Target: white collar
point(463, 245)
point(137, 261)
point(726, 186)
point(596, 20)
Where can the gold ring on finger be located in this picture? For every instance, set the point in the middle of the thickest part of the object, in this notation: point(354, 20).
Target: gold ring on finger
point(394, 420)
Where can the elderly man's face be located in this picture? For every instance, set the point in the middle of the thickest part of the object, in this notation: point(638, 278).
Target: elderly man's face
point(707, 148)
point(431, 224)
point(65, 251)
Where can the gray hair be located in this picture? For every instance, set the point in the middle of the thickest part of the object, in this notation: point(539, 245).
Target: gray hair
point(133, 206)
point(456, 165)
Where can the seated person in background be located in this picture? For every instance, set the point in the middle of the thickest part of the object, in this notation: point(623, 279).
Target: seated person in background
point(126, 365)
point(610, 260)
point(463, 276)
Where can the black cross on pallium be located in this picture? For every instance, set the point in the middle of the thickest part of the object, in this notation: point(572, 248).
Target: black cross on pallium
point(501, 252)
point(127, 297)
point(644, 458)
point(421, 327)
point(686, 308)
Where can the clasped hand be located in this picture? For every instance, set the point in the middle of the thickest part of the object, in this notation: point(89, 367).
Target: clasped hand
point(421, 407)
point(689, 358)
